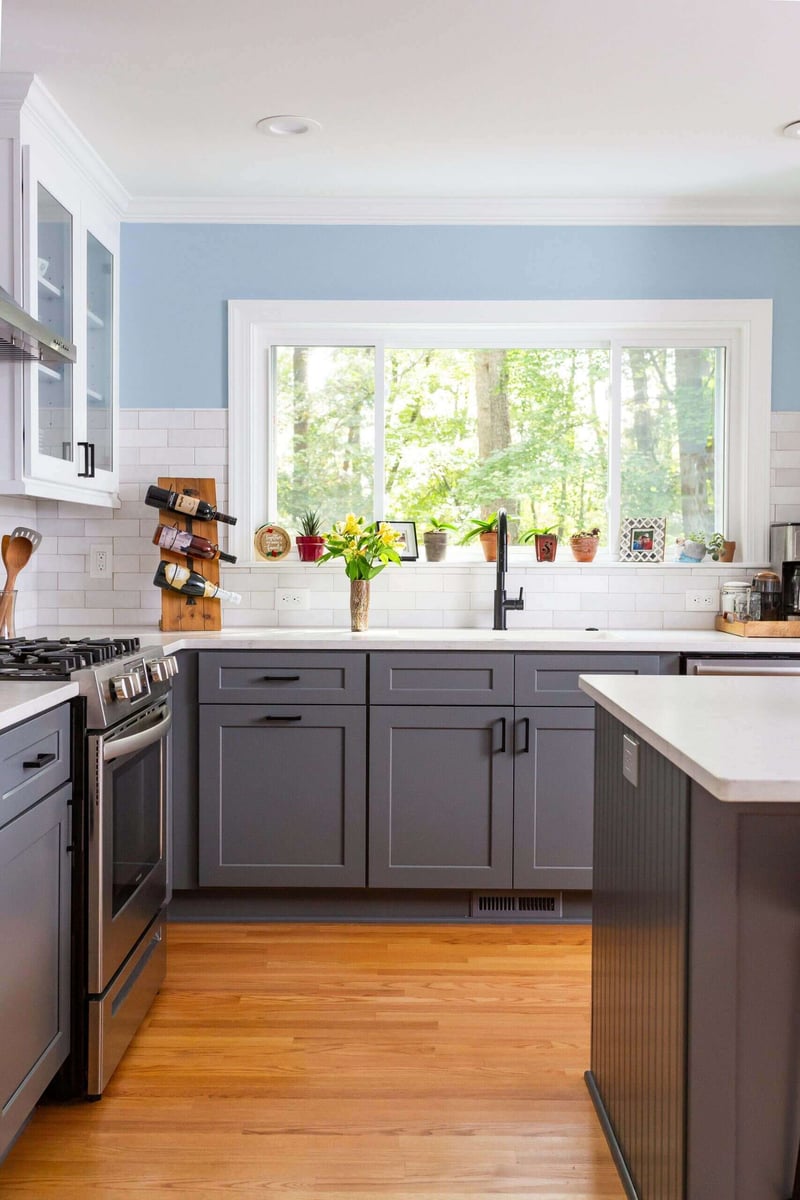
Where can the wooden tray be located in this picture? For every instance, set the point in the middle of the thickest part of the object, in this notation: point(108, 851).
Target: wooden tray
point(190, 614)
point(770, 629)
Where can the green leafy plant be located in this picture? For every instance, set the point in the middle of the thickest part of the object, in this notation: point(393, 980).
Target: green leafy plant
point(700, 538)
point(309, 523)
point(528, 535)
point(366, 549)
point(715, 545)
point(479, 526)
point(434, 525)
point(586, 533)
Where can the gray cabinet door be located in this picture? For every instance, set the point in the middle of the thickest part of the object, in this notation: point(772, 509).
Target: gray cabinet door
point(35, 873)
point(441, 804)
point(441, 677)
point(282, 677)
point(282, 796)
point(553, 797)
point(550, 679)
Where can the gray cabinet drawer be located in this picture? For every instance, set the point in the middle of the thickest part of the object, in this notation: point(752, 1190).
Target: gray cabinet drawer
point(552, 679)
point(448, 677)
point(34, 760)
point(276, 677)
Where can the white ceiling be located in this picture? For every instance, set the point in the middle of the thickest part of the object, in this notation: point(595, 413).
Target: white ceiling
point(460, 99)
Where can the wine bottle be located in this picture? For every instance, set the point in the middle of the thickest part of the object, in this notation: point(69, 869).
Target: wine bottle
point(180, 541)
point(188, 506)
point(180, 579)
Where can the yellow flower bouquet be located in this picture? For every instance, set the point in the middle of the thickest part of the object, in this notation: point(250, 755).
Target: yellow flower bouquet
point(366, 549)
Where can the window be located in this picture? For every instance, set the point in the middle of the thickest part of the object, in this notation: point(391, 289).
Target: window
point(569, 415)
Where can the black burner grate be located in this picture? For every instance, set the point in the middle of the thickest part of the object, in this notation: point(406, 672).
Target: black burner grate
point(56, 658)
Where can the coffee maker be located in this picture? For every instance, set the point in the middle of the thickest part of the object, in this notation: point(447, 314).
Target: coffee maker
point(784, 553)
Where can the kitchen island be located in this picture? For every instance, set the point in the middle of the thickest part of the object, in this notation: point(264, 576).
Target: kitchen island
point(695, 1062)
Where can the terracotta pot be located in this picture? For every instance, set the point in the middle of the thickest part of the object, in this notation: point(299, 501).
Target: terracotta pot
point(310, 548)
point(359, 605)
point(489, 543)
point(584, 548)
point(546, 546)
point(728, 551)
point(435, 541)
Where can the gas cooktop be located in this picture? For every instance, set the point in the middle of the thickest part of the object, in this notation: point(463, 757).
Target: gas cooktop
point(56, 658)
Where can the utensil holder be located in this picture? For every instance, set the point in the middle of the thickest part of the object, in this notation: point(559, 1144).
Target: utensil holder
point(8, 604)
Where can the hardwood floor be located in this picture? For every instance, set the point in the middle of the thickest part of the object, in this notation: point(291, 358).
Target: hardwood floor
point(344, 1062)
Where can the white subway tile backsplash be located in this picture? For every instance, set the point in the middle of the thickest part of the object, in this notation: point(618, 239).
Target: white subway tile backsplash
point(58, 588)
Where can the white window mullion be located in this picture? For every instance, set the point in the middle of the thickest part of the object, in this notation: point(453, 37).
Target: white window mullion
point(379, 469)
point(614, 447)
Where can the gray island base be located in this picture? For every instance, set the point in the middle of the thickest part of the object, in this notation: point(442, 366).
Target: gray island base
point(695, 1061)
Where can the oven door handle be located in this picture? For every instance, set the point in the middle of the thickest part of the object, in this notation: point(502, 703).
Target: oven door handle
point(136, 741)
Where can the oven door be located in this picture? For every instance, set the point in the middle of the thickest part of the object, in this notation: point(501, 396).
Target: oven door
point(127, 853)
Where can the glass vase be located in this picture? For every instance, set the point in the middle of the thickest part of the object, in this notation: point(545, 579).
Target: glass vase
point(359, 605)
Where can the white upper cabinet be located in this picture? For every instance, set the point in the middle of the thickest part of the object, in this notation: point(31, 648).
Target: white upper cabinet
point(59, 231)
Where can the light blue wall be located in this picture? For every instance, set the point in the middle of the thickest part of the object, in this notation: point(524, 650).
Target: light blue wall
point(176, 280)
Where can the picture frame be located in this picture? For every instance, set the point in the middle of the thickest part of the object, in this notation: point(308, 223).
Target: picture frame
point(642, 539)
point(408, 549)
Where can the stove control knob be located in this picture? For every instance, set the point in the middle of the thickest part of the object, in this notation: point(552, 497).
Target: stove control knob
point(158, 670)
point(125, 687)
point(171, 663)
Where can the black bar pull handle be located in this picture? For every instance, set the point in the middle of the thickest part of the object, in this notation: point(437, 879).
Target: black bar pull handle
point(88, 461)
point(502, 749)
point(526, 749)
point(280, 679)
point(281, 718)
point(41, 761)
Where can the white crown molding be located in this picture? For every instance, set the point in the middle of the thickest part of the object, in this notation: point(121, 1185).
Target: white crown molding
point(354, 210)
point(27, 94)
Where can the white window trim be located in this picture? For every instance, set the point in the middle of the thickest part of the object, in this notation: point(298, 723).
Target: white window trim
point(743, 326)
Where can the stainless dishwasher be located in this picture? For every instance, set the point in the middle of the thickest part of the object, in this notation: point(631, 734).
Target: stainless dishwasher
point(769, 664)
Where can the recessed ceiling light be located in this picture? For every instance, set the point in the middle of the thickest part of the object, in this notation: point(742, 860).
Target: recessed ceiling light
point(287, 125)
point(792, 130)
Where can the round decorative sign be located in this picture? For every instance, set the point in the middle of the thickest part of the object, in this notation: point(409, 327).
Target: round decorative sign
point(271, 542)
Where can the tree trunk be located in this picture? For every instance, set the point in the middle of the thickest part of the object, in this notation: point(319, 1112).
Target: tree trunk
point(494, 422)
point(695, 445)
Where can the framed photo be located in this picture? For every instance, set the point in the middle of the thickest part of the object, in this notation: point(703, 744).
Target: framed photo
point(407, 548)
point(641, 539)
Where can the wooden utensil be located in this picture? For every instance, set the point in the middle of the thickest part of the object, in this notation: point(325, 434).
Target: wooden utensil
point(15, 556)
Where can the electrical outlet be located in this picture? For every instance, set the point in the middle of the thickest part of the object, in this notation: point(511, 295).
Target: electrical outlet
point(702, 601)
point(100, 562)
point(292, 598)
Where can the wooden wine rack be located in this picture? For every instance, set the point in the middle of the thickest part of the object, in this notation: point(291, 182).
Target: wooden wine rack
point(190, 614)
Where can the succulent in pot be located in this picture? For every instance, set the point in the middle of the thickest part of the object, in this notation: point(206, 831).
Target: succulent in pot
point(584, 544)
point(544, 540)
point(435, 539)
point(310, 542)
point(693, 547)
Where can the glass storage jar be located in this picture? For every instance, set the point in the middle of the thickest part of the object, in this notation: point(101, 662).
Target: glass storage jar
point(735, 600)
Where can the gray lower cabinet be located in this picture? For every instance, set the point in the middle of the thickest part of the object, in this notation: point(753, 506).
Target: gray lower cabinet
point(35, 888)
point(441, 796)
point(553, 798)
point(282, 794)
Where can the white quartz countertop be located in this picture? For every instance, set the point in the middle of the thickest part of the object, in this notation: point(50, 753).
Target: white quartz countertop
point(620, 641)
point(21, 699)
point(735, 736)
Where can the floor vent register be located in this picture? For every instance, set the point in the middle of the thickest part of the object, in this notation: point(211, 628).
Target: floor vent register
point(522, 906)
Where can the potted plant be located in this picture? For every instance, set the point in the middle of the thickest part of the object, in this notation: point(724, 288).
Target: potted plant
point(366, 550)
point(719, 549)
point(310, 542)
point(545, 541)
point(693, 547)
point(435, 539)
point(584, 544)
point(486, 530)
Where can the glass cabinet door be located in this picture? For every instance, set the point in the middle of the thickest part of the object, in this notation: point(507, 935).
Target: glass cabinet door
point(55, 305)
point(99, 353)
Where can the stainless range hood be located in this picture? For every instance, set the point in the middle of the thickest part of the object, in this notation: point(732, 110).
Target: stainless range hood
point(24, 339)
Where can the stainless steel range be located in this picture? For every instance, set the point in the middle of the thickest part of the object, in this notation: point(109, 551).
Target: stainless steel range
point(121, 747)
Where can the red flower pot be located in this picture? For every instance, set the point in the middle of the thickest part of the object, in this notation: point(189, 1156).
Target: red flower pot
point(310, 548)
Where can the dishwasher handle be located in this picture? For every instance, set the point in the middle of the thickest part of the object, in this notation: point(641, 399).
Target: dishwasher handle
point(741, 669)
